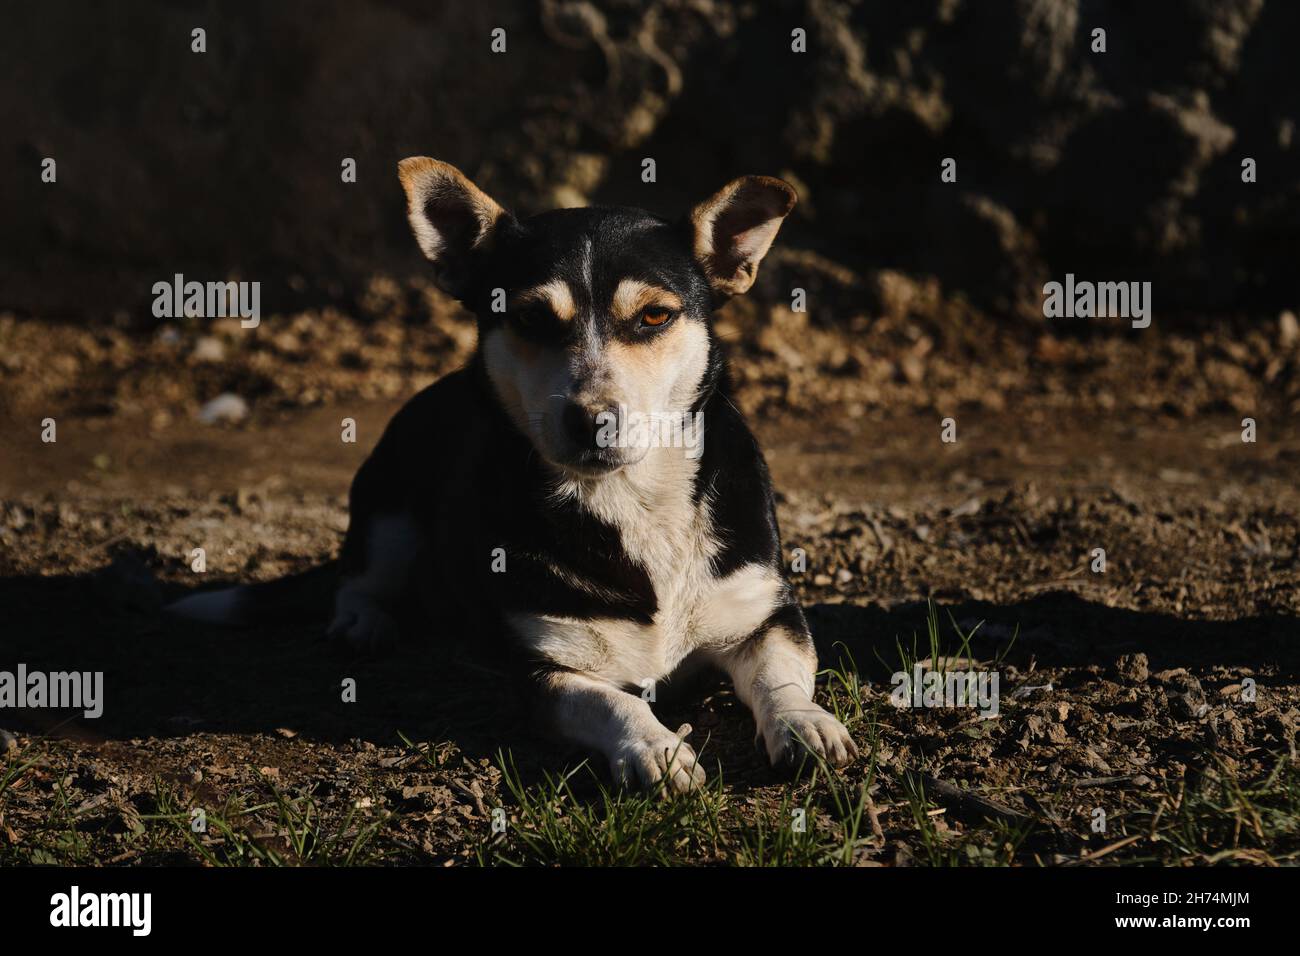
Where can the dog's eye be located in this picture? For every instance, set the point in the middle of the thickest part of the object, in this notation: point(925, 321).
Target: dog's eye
point(656, 315)
point(533, 316)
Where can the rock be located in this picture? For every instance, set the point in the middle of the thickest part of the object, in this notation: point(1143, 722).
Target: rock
point(1186, 696)
point(227, 407)
point(209, 349)
point(1288, 330)
point(1133, 668)
point(1060, 140)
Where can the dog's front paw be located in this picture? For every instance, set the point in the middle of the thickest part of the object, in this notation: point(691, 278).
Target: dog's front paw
point(793, 735)
point(662, 759)
point(364, 626)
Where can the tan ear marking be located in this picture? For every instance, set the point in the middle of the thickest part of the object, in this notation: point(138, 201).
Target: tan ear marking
point(735, 227)
point(448, 213)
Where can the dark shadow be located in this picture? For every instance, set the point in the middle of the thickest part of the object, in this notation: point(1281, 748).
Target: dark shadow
point(165, 678)
point(1055, 629)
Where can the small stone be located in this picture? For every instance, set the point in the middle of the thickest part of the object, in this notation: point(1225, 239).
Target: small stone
point(1133, 668)
point(1288, 329)
point(227, 407)
point(209, 349)
point(1186, 696)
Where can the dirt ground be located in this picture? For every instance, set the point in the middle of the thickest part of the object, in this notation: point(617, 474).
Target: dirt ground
point(1148, 712)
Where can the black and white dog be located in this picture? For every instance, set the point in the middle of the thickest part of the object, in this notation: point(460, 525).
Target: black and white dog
point(509, 496)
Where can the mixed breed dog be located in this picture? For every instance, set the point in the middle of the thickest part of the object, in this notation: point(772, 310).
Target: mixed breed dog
point(606, 566)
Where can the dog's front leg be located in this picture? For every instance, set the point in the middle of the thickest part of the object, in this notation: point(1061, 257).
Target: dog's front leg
point(599, 716)
point(773, 672)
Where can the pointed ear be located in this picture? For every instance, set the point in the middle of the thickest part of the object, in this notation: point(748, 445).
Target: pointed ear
point(450, 216)
point(735, 227)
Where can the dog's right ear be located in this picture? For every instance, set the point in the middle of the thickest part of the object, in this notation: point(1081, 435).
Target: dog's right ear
point(450, 216)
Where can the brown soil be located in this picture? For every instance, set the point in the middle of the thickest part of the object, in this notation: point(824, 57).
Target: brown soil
point(1064, 445)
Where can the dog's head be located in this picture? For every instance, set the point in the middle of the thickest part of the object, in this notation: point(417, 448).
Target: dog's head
point(590, 316)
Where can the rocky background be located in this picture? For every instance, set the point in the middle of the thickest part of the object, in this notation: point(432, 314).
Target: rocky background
point(1123, 689)
point(1123, 165)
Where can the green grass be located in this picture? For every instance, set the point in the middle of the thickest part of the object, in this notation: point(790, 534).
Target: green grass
point(1219, 819)
point(938, 656)
point(283, 831)
point(995, 843)
point(576, 819)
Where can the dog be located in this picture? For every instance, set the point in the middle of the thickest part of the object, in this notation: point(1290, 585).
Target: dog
point(503, 499)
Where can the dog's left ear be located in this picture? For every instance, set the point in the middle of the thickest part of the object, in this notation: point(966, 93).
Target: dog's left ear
point(735, 227)
point(450, 216)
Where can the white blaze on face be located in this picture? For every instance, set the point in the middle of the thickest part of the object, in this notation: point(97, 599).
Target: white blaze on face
point(660, 375)
point(656, 378)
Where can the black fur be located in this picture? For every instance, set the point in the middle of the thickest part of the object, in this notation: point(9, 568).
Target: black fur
point(454, 460)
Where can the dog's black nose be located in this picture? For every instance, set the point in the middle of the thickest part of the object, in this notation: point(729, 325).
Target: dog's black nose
point(582, 426)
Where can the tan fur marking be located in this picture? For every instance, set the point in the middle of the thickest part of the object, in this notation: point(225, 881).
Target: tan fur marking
point(632, 296)
point(735, 227)
point(428, 180)
point(646, 367)
point(555, 294)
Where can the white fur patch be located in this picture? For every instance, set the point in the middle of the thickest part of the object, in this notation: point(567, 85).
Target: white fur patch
point(219, 607)
point(621, 726)
point(662, 529)
point(657, 380)
point(775, 679)
point(737, 604)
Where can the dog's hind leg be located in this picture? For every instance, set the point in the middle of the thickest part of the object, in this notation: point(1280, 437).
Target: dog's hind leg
point(376, 566)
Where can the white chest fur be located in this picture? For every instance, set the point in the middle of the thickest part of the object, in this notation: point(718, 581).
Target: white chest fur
point(672, 536)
